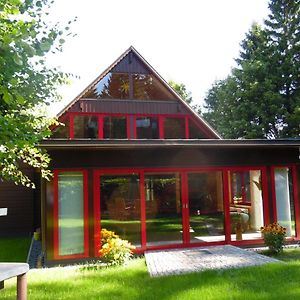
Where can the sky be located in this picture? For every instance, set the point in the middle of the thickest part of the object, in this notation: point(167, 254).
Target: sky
point(192, 42)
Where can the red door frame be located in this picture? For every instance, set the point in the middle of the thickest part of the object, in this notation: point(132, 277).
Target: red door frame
point(85, 215)
point(265, 198)
point(185, 208)
point(295, 195)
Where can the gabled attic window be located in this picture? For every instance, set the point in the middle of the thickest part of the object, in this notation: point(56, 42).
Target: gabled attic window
point(112, 86)
point(129, 86)
point(146, 86)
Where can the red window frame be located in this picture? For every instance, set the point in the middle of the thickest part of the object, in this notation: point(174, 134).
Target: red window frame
point(160, 118)
point(185, 209)
point(265, 200)
point(295, 195)
point(85, 215)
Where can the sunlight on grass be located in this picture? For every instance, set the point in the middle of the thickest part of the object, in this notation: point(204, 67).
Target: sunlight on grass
point(271, 281)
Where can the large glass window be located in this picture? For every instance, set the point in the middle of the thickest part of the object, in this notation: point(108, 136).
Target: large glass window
point(147, 128)
point(174, 128)
point(120, 206)
point(163, 209)
point(86, 127)
point(115, 127)
point(194, 131)
point(147, 87)
point(70, 213)
point(285, 200)
point(206, 207)
point(62, 131)
point(112, 86)
point(246, 204)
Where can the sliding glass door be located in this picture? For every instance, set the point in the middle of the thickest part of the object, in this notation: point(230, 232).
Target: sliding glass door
point(206, 209)
point(120, 206)
point(163, 209)
point(246, 204)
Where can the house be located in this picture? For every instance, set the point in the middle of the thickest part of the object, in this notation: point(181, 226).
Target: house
point(134, 158)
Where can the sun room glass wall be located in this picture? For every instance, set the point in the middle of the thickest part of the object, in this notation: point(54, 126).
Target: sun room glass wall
point(120, 206)
point(163, 209)
point(246, 204)
point(70, 213)
point(206, 210)
point(285, 209)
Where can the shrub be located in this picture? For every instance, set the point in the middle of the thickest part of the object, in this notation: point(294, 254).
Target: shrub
point(114, 250)
point(274, 237)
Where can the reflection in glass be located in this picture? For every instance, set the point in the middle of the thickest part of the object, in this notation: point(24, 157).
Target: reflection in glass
point(285, 200)
point(115, 128)
point(174, 128)
point(70, 213)
point(147, 87)
point(112, 86)
point(194, 131)
point(147, 128)
point(206, 207)
point(62, 131)
point(86, 127)
point(246, 205)
point(120, 206)
point(163, 209)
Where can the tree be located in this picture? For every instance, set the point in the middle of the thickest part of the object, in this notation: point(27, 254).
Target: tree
point(260, 98)
point(181, 90)
point(27, 85)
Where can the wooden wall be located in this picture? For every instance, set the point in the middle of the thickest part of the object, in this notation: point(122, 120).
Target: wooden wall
point(23, 208)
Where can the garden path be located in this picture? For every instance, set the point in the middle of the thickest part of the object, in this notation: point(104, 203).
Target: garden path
point(178, 261)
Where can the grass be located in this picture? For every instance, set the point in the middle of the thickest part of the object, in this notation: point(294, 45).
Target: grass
point(14, 249)
point(272, 281)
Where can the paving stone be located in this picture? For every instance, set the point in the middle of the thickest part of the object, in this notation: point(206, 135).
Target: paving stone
point(169, 262)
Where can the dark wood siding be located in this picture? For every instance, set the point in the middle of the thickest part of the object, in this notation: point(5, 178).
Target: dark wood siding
point(23, 210)
point(129, 106)
point(131, 64)
point(178, 157)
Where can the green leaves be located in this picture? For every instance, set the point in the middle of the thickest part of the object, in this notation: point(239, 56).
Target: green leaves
point(26, 86)
point(259, 98)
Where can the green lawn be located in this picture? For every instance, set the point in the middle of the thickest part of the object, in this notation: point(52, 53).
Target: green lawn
point(273, 281)
point(14, 249)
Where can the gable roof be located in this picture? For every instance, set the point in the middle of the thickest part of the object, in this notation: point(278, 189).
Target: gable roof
point(142, 59)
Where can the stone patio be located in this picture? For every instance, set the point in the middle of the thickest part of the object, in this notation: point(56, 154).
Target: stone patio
point(179, 261)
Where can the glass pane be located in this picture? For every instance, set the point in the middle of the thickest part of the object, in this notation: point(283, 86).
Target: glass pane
point(285, 200)
point(174, 128)
point(147, 87)
point(62, 132)
point(163, 209)
point(86, 127)
point(194, 131)
point(120, 206)
point(115, 128)
point(147, 128)
point(246, 205)
point(206, 207)
point(70, 213)
point(112, 86)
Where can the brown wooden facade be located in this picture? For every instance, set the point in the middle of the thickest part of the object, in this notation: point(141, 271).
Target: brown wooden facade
point(134, 158)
